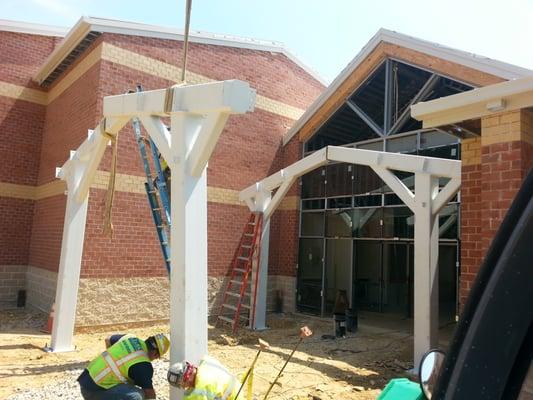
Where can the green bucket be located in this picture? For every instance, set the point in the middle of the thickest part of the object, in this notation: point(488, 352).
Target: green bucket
point(401, 389)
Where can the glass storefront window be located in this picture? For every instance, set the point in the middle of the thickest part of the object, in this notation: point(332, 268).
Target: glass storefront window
point(398, 222)
point(365, 180)
point(310, 268)
point(313, 204)
point(312, 224)
point(339, 223)
point(366, 223)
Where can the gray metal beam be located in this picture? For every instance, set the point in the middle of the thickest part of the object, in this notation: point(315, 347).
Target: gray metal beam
point(423, 92)
point(365, 117)
point(387, 110)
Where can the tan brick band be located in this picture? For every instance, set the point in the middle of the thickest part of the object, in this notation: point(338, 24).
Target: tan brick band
point(23, 93)
point(172, 73)
point(128, 184)
point(471, 151)
point(138, 62)
point(506, 127)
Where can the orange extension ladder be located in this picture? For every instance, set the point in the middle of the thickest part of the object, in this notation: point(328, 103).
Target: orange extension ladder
point(241, 269)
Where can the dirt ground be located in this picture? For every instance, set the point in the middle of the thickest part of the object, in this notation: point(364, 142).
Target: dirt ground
point(355, 367)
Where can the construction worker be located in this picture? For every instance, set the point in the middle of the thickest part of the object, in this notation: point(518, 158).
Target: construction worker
point(209, 380)
point(124, 371)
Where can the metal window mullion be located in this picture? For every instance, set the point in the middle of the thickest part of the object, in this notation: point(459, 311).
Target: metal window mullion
point(387, 107)
point(365, 117)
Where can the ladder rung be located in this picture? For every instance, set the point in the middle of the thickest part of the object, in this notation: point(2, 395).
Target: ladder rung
point(245, 306)
point(230, 307)
point(225, 319)
point(236, 282)
point(244, 258)
point(233, 294)
point(240, 270)
point(248, 234)
point(251, 223)
point(246, 246)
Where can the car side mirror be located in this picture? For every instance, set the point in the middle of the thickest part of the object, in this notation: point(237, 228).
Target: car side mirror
point(429, 371)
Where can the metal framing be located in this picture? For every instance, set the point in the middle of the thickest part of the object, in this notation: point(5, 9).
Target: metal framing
point(426, 204)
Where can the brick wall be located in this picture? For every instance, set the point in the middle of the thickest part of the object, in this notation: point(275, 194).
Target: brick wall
point(21, 124)
point(493, 169)
point(248, 150)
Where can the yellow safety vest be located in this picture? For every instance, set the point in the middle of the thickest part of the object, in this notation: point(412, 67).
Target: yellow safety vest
point(111, 367)
point(213, 382)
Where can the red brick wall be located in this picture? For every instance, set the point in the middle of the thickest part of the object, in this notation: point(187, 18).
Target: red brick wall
point(272, 74)
point(21, 125)
point(47, 232)
point(471, 211)
point(68, 117)
point(22, 55)
point(15, 230)
point(248, 150)
point(490, 185)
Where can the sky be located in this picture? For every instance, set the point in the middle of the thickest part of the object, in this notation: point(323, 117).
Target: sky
point(324, 34)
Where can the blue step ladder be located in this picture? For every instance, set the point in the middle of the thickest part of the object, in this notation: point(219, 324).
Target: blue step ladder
point(158, 196)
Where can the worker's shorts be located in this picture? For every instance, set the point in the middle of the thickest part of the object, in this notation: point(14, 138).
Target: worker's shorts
point(119, 392)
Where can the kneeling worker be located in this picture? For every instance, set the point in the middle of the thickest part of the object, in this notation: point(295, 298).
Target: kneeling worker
point(124, 371)
point(209, 380)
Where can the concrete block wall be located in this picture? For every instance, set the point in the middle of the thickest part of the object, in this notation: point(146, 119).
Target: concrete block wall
point(41, 288)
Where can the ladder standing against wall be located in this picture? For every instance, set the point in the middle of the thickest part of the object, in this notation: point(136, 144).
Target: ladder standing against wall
point(238, 290)
point(156, 190)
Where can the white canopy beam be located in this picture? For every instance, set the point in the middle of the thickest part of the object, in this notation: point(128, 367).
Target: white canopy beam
point(425, 202)
point(198, 114)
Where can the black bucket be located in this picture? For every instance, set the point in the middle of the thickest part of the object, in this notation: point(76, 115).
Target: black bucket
point(351, 320)
point(339, 323)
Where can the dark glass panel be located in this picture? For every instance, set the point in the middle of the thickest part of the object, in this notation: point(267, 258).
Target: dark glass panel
point(398, 222)
point(339, 223)
point(312, 224)
point(313, 184)
point(311, 253)
point(339, 179)
point(315, 204)
point(338, 270)
point(367, 275)
point(370, 96)
point(366, 223)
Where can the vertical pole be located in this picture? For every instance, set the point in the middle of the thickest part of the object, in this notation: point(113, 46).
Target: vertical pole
point(426, 289)
point(260, 306)
point(69, 270)
point(387, 111)
point(188, 279)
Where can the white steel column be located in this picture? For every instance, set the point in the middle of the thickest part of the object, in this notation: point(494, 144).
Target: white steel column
point(69, 271)
point(188, 278)
point(262, 289)
point(78, 172)
point(426, 293)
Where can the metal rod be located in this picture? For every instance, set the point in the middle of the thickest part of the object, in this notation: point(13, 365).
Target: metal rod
point(304, 332)
point(188, 6)
point(262, 346)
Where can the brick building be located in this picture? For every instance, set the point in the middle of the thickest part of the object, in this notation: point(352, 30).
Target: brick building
point(51, 89)
point(341, 228)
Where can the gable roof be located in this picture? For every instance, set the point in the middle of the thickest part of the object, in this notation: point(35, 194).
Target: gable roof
point(486, 65)
point(87, 29)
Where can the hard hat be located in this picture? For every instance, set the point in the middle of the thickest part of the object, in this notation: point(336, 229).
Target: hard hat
point(179, 373)
point(162, 342)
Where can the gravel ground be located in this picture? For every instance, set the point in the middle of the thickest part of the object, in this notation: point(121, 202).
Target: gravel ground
point(69, 389)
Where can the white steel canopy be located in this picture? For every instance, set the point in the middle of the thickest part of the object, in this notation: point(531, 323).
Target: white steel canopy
point(198, 115)
point(426, 201)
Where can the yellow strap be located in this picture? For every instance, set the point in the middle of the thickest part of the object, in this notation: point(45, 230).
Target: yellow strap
point(108, 223)
point(249, 385)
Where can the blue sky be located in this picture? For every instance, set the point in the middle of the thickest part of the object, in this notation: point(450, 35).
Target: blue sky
point(325, 35)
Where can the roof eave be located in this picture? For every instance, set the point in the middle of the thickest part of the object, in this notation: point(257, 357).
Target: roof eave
point(500, 97)
point(88, 24)
point(482, 64)
point(71, 40)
